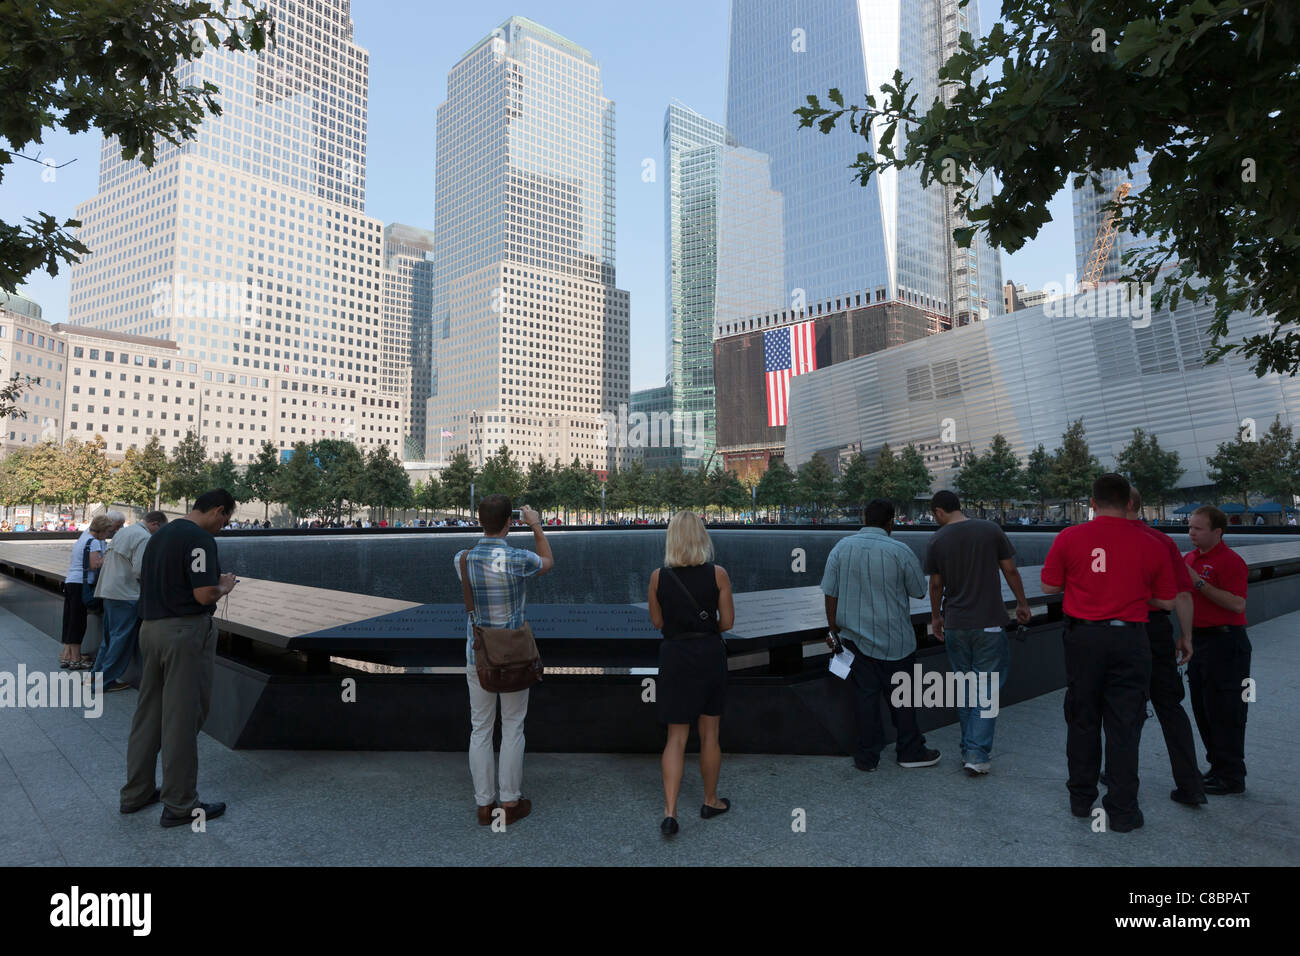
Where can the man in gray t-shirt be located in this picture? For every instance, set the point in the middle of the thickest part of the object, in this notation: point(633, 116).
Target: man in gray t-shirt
point(963, 561)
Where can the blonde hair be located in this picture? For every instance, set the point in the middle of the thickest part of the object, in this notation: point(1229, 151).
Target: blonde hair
point(688, 542)
point(102, 524)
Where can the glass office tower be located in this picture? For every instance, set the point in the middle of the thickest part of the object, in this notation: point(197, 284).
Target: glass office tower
point(250, 248)
point(693, 156)
point(530, 334)
point(889, 240)
point(1090, 211)
point(406, 360)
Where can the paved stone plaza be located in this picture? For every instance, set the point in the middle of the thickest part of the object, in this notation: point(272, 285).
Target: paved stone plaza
point(60, 774)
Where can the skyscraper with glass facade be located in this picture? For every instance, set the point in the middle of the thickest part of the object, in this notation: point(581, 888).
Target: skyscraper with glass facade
point(1090, 212)
point(694, 152)
point(530, 334)
point(250, 248)
point(888, 241)
point(406, 359)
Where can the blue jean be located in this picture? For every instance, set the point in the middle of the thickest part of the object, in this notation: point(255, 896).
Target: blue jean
point(121, 635)
point(974, 649)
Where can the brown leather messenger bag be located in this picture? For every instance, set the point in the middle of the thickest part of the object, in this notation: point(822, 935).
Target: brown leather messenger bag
point(506, 658)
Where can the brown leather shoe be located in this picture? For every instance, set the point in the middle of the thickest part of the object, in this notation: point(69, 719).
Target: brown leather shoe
point(485, 814)
point(518, 811)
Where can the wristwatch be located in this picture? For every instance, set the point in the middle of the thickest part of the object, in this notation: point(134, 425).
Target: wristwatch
point(1200, 583)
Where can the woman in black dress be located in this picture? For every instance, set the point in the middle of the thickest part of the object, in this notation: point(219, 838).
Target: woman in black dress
point(690, 602)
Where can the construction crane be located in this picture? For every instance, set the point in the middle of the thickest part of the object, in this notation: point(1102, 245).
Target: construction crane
point(1104, 242)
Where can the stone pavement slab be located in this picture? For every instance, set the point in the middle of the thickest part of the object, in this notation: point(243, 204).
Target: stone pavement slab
point(60, 773)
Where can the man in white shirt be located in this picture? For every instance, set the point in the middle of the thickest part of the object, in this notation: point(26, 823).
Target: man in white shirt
point(119, 586)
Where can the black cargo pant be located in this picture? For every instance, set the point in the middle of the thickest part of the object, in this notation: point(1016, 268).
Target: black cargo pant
point(1167, 702)
point(1217, 673)
point(1107, 672)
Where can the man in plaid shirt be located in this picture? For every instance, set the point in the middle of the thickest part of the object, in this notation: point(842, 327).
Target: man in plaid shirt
point(496, 576)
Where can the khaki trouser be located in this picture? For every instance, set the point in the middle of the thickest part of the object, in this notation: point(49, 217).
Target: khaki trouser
point(176, 658)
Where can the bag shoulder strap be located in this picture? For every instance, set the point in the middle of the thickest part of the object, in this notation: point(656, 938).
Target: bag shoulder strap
point(702, 614)
point(85, 555)
point(466, 591)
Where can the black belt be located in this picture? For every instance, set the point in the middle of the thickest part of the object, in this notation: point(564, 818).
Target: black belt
point(1153, 611)
point(1109, 622)
point(1216, 629)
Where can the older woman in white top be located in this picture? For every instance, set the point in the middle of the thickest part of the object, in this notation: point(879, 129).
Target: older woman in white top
point(87, 555)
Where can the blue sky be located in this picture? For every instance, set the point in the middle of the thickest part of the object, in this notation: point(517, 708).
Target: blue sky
point(649, 54)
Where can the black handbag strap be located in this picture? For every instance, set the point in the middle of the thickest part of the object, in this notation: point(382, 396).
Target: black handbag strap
point(702, 614)
point(86, 570)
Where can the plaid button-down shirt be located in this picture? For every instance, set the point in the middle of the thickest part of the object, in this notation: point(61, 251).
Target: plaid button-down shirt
point(496, 576)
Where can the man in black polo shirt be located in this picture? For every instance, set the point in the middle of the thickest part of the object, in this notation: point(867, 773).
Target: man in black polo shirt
point(1111, 571)
point(180, 584)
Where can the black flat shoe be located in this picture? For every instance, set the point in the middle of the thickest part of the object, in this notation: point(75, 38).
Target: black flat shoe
point(1188, 799)
point(707, 811)
point(668, 827)
point(210, 812)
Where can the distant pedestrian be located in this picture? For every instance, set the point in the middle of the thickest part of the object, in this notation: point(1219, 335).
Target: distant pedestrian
point(180, 585)
point(1219, 671)
point(1111, 571)
point(119, 588)
point(967, 611)
point(690, 602)
point(497, 593)
point(868, 580)
point(83, 568)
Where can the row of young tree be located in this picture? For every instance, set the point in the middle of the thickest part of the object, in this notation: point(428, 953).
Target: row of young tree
point(326, 478)
point(1250, 464)
point(900, 478)
point(330, 479)
point(1065, 475)
point(566, 490)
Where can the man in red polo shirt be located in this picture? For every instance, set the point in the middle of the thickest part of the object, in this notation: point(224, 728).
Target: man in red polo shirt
point(1220, 664)
point(1166, 691)
point(1111, 571)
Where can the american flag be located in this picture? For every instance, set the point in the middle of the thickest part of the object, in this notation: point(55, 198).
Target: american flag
point(446, 434)
point(786, 352)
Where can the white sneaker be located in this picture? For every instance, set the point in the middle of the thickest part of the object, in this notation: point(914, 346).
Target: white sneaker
point(977, 769)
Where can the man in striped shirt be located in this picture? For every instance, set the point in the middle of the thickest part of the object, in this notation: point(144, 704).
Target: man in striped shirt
point(868, 580)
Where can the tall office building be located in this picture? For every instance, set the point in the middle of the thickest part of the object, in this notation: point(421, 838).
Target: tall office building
point(530, 333)
point(1090, 212)
point(30, 350)
point(839, 241)
point(250, 248)
point(406, 357)
point(694, 152)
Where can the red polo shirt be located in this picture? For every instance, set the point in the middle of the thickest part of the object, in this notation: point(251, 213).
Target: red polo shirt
point(1223, 568)
point(1182, 577)
point(1109, 567)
